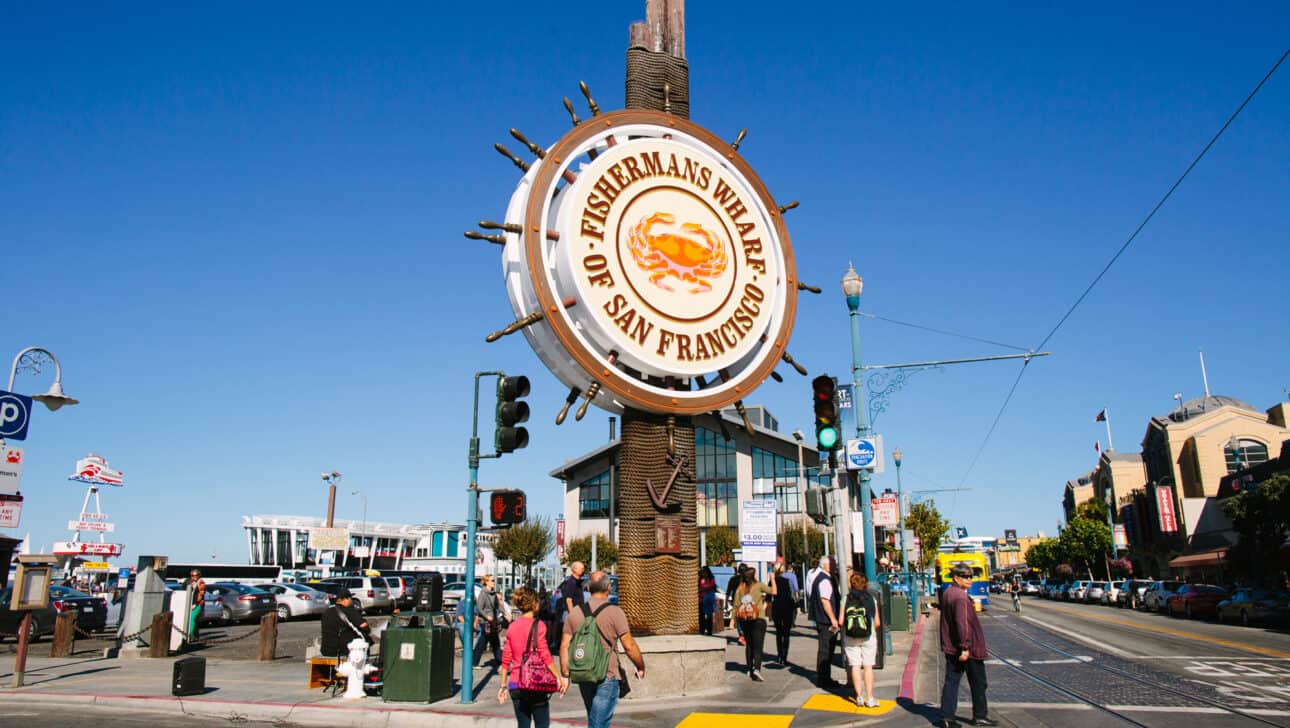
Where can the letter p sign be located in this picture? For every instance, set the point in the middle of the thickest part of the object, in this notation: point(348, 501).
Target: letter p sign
point(15, 411)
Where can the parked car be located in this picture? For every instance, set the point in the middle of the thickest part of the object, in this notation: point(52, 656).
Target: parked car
point(1030, 588)
point(1250, 606)
point(1153, 598)
point(241, 602)
point(91, 612)
point(1131, 594)
point(402, 590)
point(454, 592)
point(212, 608)
point(297, 600)
point(370, 592)
point(1093, 592)
point(1195, 600)
point(1112, 592)
point(1052, 589)
point(1075, 593)
point(42, 620)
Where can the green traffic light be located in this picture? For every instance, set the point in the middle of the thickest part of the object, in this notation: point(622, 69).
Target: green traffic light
point(827, 438)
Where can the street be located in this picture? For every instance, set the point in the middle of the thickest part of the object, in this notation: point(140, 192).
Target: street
point(1066, 664)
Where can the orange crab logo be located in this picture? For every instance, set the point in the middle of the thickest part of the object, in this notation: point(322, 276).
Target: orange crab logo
point(693, 256)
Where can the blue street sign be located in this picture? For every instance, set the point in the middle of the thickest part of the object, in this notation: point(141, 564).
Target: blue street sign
point(15, 414)
point(860, 453)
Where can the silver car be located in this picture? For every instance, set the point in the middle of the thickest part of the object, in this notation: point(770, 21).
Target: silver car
point(1094, 591)
point(370, 593)
point(297, 600)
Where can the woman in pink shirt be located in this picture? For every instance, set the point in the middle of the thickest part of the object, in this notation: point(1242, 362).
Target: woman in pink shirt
point(531, 707)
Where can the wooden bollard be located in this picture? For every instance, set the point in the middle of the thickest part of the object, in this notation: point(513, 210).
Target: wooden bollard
point(268, 636)
point(64, 635)
point(159, 639)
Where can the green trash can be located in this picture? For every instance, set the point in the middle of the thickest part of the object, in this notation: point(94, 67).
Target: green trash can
point(898, 614)
point(417, 663)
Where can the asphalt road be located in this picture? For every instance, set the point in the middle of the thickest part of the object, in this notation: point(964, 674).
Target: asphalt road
point(100, 718)
point(1062, 664)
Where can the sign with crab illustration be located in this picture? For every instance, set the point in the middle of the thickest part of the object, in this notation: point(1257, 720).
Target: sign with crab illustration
point(656, 261)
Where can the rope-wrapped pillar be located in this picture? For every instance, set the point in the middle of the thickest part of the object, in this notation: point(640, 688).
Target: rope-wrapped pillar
point(658, 565)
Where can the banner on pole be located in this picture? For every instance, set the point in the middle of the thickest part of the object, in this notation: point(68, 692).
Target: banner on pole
point(857, 531)
point(757, 530)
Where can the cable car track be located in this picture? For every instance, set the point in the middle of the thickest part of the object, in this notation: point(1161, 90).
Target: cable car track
point(1112, 670)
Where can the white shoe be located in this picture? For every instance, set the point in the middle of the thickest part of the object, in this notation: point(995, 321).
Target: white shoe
point(872, 702)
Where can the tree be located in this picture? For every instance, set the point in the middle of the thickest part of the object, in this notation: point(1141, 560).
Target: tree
point(1260, 514)
point(720, 544)
point(1122, 567)
point(525, 544)
point(1094, 509)
point(1043, 555)
point(579, 549)
point(1086, 542)
point(929, 528)
point(790, 544)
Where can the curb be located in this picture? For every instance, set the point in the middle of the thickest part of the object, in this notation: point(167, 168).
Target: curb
point(911, 664)
point(341, 716)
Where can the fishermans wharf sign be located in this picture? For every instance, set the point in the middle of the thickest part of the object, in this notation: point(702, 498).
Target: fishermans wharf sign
point(657, 262)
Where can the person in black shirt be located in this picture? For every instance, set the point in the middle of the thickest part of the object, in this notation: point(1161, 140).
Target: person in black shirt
point(783, 613)
point(341, 623)
point(571, 588)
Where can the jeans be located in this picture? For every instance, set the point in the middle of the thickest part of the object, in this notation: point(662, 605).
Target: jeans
point(783, 630)
point(824, 654)
point(707, 605)
point(600, 700)
point(486, 638)
point(954, 670)
point(755, 639)
point(531, 706)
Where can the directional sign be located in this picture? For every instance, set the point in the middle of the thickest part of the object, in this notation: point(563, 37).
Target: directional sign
point(15, 414)
point(10, 469)
point(10, 510)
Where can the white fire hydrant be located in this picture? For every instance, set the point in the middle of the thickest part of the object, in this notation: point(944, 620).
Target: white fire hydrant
point(354, 669)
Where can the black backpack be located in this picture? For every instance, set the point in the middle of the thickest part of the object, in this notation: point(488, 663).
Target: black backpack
point(858, 615)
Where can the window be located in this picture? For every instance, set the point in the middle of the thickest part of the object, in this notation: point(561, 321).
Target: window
point(437, 540)
point(593, 497)
point(717, 496)
point(775, 476)
point(1252, 452)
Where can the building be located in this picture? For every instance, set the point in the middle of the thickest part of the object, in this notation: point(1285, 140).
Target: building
point(731, 466)
point(1164, 500)
point(284, 541)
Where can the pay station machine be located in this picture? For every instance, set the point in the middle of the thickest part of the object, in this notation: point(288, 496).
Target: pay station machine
point(149, 596)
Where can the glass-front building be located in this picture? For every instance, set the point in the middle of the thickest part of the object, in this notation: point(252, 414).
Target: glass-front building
point(760, 466)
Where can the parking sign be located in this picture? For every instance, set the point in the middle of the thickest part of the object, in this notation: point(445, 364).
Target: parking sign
point(15, 414)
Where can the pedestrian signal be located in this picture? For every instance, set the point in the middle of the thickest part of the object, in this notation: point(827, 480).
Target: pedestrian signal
point(817, 506)
point(507, 507)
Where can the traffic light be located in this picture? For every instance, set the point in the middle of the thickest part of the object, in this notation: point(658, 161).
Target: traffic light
point(507, 507)
point(511, 412)
point(828, 434)
point(817, 505)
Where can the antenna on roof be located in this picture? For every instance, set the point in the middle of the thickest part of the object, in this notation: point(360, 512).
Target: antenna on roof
point(1203, 375)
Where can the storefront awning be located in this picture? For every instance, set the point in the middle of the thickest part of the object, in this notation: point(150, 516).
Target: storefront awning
point(1204, 558)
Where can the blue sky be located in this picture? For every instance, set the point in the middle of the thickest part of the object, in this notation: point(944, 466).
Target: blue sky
point(240, 230)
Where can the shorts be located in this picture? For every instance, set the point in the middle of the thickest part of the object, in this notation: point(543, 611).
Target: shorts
point(861, 653)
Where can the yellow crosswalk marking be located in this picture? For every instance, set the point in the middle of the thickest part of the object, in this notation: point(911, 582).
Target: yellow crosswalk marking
point(836, 704)
point(743, 720)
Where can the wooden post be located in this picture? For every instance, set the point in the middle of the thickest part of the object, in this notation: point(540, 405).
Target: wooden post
point(268, 636)
point(20, 662)
point(64, 635)
point(159, 638)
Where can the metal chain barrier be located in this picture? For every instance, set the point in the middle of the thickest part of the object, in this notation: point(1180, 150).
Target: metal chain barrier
point(209, 641)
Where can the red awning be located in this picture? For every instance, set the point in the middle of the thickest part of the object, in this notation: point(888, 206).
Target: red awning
point(1204, 558)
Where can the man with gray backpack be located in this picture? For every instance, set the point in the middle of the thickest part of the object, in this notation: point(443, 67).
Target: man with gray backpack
point(589, 653)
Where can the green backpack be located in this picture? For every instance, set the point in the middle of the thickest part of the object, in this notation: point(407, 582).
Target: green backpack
point(588, 658)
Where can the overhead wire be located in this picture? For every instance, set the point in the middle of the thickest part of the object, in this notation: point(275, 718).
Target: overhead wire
point(1098, 278)
point(942, 331)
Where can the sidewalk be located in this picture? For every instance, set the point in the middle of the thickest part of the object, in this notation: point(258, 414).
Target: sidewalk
point(276, 692)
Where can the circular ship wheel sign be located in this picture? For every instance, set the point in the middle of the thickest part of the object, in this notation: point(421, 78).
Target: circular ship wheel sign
point(659, 261)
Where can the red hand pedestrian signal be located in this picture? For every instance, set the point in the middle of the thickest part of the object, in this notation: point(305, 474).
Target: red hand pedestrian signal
point(508, 507)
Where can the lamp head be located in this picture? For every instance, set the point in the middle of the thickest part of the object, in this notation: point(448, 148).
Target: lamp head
point(852, 283)
point(54, 398)
point(797, 435)
point(896, 456)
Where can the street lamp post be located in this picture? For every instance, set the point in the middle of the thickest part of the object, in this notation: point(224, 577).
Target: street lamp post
point(852, 284)
point(896, 457)
point(801, 501)
point(331, 479)
point(32, 358)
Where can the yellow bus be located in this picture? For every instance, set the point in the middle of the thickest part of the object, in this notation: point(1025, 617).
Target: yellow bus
point(980, 589)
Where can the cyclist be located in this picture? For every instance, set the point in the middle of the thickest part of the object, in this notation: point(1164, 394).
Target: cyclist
point(1015, 589)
